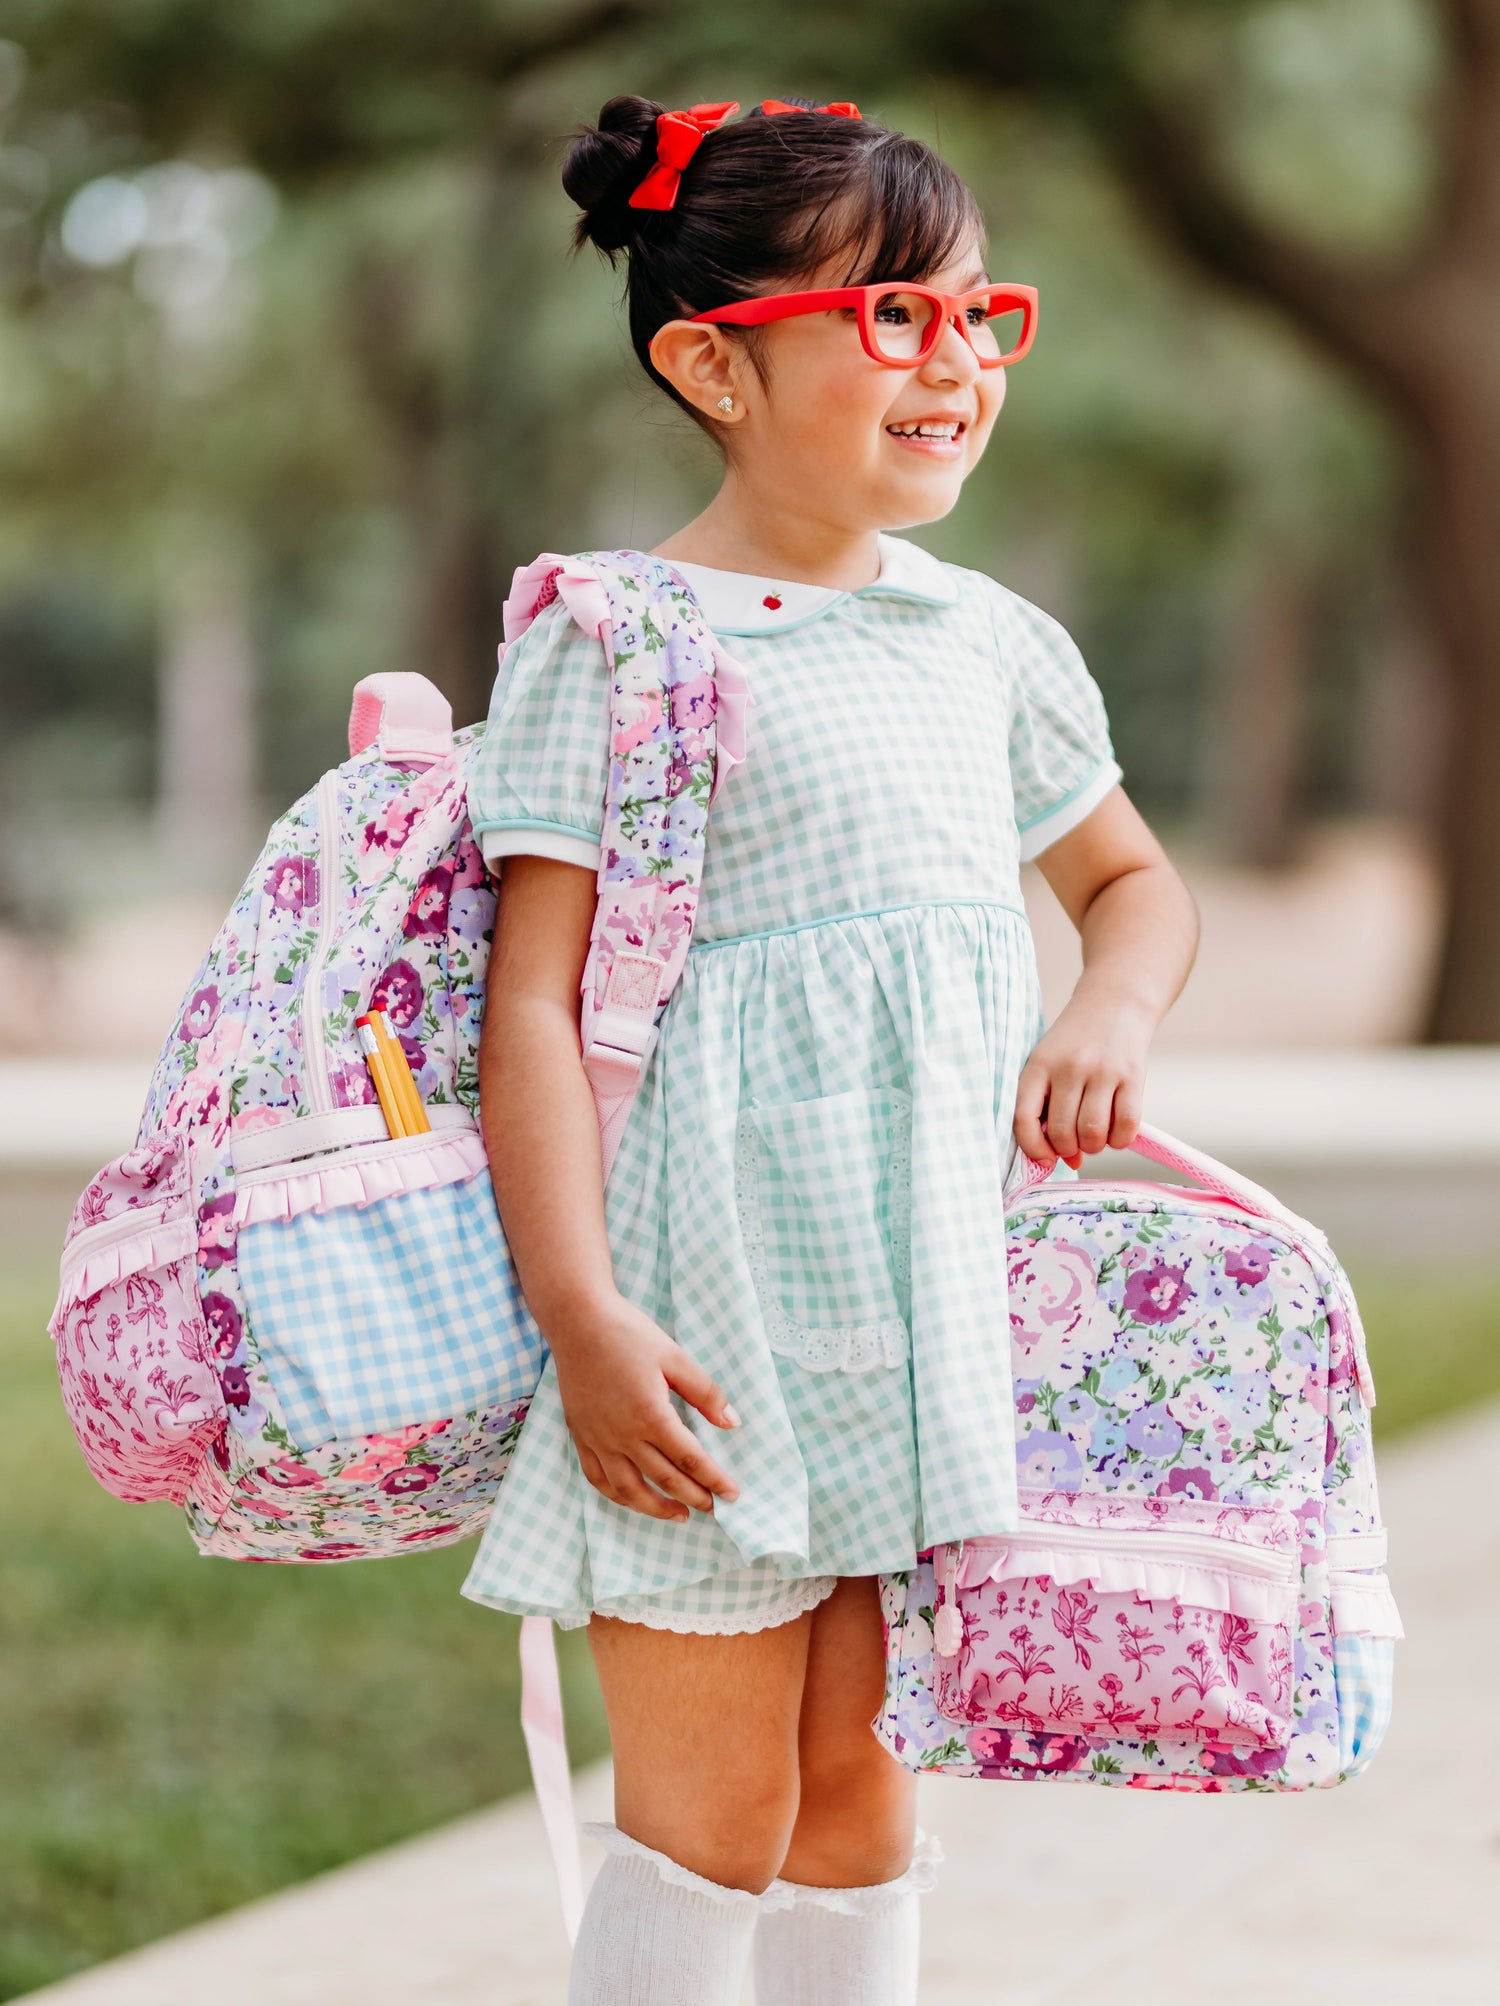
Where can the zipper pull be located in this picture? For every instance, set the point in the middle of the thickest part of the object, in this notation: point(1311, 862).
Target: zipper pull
point(948, 1624)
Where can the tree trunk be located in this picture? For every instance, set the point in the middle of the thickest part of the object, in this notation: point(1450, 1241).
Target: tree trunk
point(1460, 561)
point(207, 789)
point(1256, 800)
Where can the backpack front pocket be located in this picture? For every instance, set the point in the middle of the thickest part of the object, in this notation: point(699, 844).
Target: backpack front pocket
point(1114, 1618)
point(371, 1316)
point(134, 1356)
point(824, 1196)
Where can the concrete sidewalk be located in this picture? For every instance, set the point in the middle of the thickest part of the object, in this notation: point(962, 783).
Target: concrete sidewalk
point(1386, 1892)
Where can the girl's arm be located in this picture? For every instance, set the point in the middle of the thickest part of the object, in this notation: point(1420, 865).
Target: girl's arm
point(1081, 1088)
point(616, 1369)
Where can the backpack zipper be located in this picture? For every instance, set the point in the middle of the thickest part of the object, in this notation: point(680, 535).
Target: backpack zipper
point(88, 1239)
point(1147, 1541)
point(317, 1086)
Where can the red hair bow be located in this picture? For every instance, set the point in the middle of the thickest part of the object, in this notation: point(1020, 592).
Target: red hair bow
point(773, 105)
point(679, 134)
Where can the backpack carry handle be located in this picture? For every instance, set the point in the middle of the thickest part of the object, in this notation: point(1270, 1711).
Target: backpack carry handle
point(408, 717)
point(1205, 1171)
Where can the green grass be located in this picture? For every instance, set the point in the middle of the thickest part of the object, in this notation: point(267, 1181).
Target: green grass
point(180, 1735)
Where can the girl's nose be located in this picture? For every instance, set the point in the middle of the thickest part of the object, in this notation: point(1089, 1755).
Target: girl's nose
point(953, 360)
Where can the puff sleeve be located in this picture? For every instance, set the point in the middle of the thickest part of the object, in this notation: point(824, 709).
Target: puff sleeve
point(1062, 762)
point(538, 781)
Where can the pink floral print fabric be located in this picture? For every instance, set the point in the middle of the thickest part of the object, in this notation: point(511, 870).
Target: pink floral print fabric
point(1198, 1493)
point(370, 892)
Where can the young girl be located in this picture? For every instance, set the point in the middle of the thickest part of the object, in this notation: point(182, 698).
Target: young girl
point(779, 1359)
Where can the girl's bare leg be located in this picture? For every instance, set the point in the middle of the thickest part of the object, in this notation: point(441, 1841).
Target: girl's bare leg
point(705, 1738)
point(857, 1811)
point(842, 1927)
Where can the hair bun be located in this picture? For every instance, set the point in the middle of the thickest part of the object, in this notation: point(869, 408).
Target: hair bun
point(604, 165)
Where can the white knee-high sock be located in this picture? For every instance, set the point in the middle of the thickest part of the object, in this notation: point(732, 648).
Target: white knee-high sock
point(844, 1946)
point(654, 1934)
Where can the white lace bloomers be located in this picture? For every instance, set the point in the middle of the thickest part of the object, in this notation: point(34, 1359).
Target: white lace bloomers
point(808, 1193)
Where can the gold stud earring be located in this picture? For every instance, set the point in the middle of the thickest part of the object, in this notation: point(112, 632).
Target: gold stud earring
point(725, 403)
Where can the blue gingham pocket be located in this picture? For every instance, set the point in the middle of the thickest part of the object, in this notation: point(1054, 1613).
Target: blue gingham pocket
point(369, 1318)
point(1366, 1627)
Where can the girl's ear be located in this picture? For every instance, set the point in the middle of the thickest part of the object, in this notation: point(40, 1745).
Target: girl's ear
point(698, 362)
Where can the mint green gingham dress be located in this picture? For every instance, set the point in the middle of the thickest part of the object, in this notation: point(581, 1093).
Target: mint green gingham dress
point(808, 1192)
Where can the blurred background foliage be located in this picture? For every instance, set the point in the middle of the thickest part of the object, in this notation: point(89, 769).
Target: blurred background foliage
point(294, 371)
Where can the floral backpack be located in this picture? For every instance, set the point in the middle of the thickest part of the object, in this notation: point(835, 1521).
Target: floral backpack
point(276, 1311)
point(1195, 1597)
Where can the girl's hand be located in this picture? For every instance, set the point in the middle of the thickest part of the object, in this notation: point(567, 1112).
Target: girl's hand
point(1081, 1088)
point(616, 1373)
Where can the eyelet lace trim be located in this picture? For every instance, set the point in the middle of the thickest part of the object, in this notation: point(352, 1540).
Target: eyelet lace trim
point(836, 1347)
point(797, 1599)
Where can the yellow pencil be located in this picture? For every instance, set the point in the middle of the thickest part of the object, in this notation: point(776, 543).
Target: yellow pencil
point(413, 1113)
point(386, 1091)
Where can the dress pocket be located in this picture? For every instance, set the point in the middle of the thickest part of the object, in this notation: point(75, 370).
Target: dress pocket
point(1137, 1619)
point(824, 1194)
point(134, 1356)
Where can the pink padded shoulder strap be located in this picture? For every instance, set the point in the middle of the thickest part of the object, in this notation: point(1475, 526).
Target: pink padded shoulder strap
point(406, 715)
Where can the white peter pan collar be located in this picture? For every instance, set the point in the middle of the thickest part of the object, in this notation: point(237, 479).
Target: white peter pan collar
point(734, 602)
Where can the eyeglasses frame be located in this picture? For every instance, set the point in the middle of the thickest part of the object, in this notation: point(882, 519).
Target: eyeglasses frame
point(952, 307)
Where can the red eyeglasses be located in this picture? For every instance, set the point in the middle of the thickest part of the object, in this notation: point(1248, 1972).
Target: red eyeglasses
point(901, 326)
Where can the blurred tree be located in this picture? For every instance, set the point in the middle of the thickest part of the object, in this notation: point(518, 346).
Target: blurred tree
point(341, 99)
point(1418, 324)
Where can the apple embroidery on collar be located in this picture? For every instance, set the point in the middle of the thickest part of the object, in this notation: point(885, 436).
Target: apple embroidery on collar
point(773, 600)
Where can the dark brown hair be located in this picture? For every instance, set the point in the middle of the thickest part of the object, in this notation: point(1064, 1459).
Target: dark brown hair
point(764, 202)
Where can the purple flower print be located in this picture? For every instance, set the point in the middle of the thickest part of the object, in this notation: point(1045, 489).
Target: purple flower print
point(1249, 1265)
point(1074, 1411)
point(1157, 1294)
point(1047, 1461)
point(428, 911)
point(409, 1477)
point(235, 1382)
point(1298, 1347)
point(1262, 1762)
point(399, 993)
point(225, 1325)
point(991, 1749)
point(216, 1234)
point(693, 701)
point(1188, 1484)
point(201, 1014)
point(352, 1085)
point(292, 883)
point(1153, 1431)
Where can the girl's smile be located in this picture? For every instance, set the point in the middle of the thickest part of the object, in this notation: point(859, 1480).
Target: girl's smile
point(940, 437)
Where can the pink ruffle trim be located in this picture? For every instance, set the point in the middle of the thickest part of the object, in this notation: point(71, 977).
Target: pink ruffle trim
point(1363, 1606)
point(446, 1158)
point(732, 699)
point(156, 1244)
point(1164, 1580)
